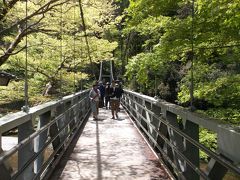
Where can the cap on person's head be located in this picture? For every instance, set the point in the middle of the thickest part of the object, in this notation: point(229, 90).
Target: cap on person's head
point(100, 82)
point(108, 83)
point(116, 85)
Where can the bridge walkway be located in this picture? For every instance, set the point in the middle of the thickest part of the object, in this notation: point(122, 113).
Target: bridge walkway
point(109, 149)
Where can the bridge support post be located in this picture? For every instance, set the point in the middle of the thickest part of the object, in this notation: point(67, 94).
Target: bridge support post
point(67, 117)
point(79, 112)
point(73, 116)
point(134, 108)
point(157, 112)
point(165, 147)
point(191, 151)
point(176, 139)
point(24, 154)
point(141, 113)
point(149, 119)
point(54, 129)
point(61, 121)
point(41, 139)
point(75, 113)
point(86, 105)
point(5, 174)
point(215, 170)
point(152, 119)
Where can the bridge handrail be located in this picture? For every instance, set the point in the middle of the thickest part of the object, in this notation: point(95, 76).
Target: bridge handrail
point(158, 120)
point(205, 121)
point(13, 120)
point(58, 122)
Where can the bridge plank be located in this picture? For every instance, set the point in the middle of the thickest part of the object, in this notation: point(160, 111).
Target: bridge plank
point(110, 149)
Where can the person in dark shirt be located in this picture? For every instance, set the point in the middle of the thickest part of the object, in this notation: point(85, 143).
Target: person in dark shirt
point(118, 91)
point(102, 93)
point(108, 92)
point(115, 100)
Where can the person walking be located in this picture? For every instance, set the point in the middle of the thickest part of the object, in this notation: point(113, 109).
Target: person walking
point(108, 92)
point(94, 96)
point(115, 100)
point(101, 88)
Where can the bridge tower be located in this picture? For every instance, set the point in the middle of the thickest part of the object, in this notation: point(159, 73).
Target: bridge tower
point(106, 77)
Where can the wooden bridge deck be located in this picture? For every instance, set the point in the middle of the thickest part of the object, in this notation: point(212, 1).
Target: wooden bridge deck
point(109, 149)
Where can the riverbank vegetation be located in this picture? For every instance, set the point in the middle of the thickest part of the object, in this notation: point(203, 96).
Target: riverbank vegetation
point(173, 36)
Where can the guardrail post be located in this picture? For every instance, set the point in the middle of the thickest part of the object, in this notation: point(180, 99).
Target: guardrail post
point(141, 112)
point(79, 112)
point(54, 131)
point(24, 154)
point(228, 146)
point(68, 105)
point(152, 119)
point(67, 117)
point(158, 124)
point(157, 112)
point(176, 139)
point(41, 139)
point(163, 128)
point(134, 108)
point(215, 170)
point(5, 174)
point(191, 151)
point(61, 121)
point(82, 108)
point(73, 116)
point(76, 109)
point(86, 105)
point(126, 101)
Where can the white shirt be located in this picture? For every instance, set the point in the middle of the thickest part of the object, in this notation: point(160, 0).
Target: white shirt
point(93, 95)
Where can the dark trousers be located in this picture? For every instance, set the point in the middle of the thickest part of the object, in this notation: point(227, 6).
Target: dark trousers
point(101, 102)
point(107, 99)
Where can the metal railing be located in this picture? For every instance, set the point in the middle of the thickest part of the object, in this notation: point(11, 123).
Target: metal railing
point(43, 136)
point(173, 132)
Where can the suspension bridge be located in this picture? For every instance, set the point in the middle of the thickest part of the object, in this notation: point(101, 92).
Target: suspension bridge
point(151, 139)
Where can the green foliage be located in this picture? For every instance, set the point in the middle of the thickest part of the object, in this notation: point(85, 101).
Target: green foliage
point(142, 66)
point(169, 38)
point(12, 92)
point(225, 115)
point(141, 9)
point(224, 91)
point(208, 139)
point(57, 50)
point(213, 85)
point(12, 96)
point(170, 34)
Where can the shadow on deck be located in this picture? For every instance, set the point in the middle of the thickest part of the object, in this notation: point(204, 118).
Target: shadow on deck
point(109, 149)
